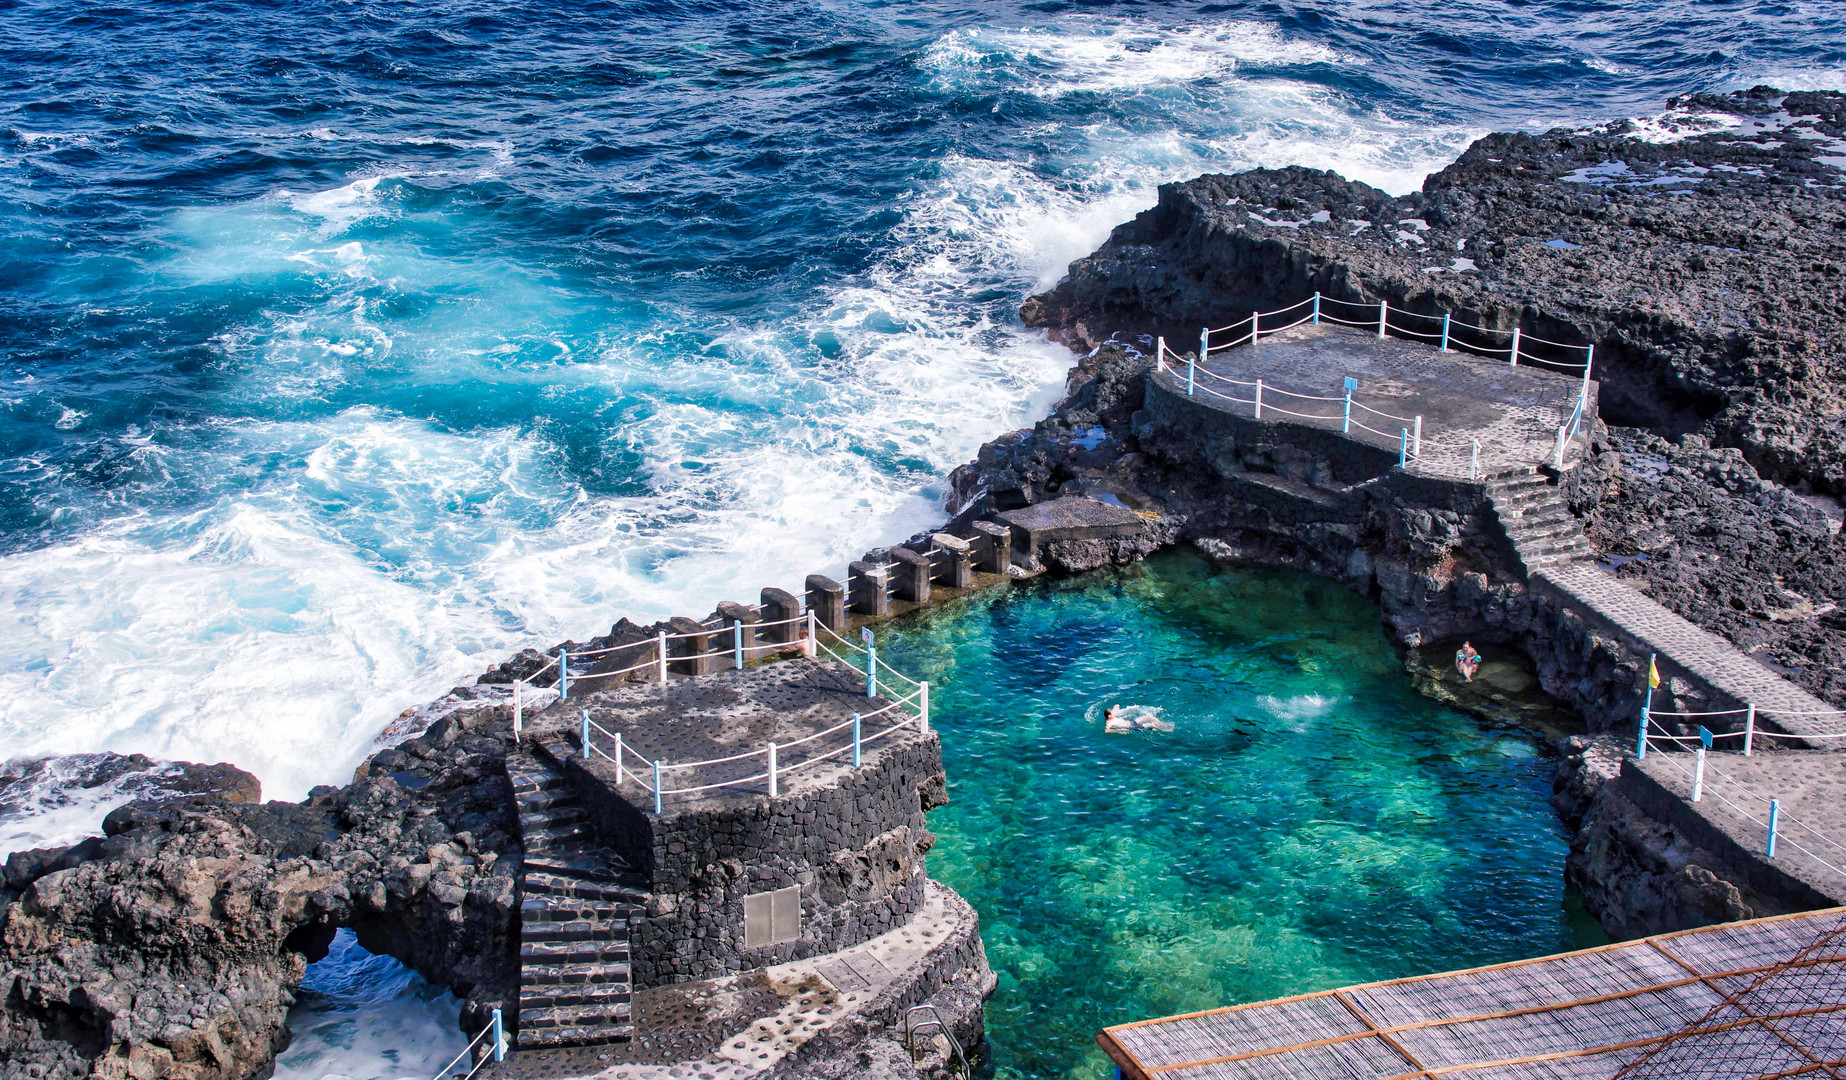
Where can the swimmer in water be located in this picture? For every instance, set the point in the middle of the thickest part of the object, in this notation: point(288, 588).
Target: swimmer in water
point(1115, 721)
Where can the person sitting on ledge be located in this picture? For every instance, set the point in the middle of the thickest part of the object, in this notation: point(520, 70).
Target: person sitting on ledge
point(1467, 661)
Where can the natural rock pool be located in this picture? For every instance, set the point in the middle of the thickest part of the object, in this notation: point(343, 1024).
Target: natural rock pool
point(1308, 821)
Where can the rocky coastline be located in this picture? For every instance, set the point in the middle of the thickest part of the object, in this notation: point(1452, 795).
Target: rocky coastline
point(1703, 263)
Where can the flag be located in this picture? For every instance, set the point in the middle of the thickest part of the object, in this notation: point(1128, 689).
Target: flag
point(1653, 674)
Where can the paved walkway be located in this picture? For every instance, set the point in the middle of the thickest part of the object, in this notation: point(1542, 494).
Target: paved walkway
point(1513, 411)
point(1704, 656)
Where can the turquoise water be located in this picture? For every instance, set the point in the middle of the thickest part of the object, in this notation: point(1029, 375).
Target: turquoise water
point(1310, 821)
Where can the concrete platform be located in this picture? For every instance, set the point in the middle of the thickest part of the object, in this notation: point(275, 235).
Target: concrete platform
point(729, 713)
point(1513, 411)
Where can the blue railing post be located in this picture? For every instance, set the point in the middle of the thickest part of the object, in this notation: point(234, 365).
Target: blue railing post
point(737, 642)
point(657, 792)
point(1403, 447)
point(563, 675)
point(586, 733)
point(855, 740)
point(1775, 814)
point(1317, 309)
point(499, 1038)
point(871, 670)
point(1346, 415)
point(1445, 333)
point(1647, 713)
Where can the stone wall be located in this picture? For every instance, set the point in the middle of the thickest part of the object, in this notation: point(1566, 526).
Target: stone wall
point(853, 840)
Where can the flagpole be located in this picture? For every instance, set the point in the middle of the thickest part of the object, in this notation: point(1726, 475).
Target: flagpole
point(1647, 710)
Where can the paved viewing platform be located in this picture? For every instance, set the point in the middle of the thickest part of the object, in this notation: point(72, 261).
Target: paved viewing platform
point(1512, 411)
point(1719, 1001)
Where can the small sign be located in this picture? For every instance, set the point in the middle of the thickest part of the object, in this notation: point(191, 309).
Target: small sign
point(1705, 736)
point(865, 635)
point(1352, 383)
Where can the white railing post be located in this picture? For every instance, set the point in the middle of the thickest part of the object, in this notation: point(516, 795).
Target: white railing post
point(855, 740)
point(518, 710)
point(737, 643)
point(1698, 773)
point(1160, 354)
point(811, 646)
point(1416, 439)
point(663, 657)
point(620, 775)
point(774, 788)
point(563, 675)
point(1346, 415)
point(1403, 446)
point(1384, 309)
point(923, 704)
point(1256, 326)
point(1474, 460)
point(658, 794)
point(586, 733)
point(1259, 399)
point(1749, 729)
point(1204, 342)
point(1445, 333)
point(499, 1037)
point(1317, 308)
point(1558, 457)
point(1514, 353)
point(871, 670)
point(1775, 814)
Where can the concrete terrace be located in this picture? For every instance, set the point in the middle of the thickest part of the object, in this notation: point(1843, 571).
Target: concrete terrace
point(1514, 412)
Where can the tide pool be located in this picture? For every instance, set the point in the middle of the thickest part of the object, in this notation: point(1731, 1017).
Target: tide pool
point(1309, 820)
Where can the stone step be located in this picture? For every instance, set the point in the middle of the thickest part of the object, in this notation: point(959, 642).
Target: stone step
point(597, 929)
point(563, 832)
point(538, 910)
point(548, 996)
point(552, 818)
point(630, 891)
point(539, 973)
point(1550, 530)
point(596, 1035)
point(568, 1016)
point(607, 951)
point(587, 865)
point(534, 781)
point(539, 802)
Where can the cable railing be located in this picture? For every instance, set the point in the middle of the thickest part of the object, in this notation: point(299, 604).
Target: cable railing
point(497, 1048)
point(743, 647)
point(1409, 436)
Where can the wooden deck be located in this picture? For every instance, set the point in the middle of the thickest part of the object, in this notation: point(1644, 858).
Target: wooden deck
point(1575, 1016)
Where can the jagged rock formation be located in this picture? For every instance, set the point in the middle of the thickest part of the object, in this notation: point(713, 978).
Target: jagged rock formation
point(1706, 270)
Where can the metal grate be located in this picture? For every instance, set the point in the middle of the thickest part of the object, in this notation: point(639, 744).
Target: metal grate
point(771, 918)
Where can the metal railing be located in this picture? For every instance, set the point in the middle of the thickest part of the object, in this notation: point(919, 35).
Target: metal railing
point(957, 1057)
point(653, 776)
point(497, 1050)
point(1410, 435)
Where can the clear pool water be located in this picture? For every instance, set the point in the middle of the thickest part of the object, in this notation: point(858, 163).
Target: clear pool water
point(1309, 820)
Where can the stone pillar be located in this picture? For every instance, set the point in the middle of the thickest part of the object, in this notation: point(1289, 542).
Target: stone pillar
point(699, 642)
point(869, 596)
point(959, 573)
point(827, 599)
point(999, 546)
point(912, 575)
point(743, 613)
point(779, 606)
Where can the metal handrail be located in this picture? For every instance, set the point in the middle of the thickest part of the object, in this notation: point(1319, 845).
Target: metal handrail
point(935, 1020)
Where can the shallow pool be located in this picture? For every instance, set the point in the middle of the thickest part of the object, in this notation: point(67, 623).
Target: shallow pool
point(1308, 820)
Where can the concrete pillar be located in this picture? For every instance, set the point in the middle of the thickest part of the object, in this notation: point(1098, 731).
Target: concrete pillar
point(959, 574)
point(827, 600)
point(699, 642)
point(869, 593)
point(999, 546)
point(777, 607)
point(728, 613)
point(913, 573)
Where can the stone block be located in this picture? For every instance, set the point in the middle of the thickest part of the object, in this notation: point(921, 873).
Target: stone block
point(827, 599)
point(690, 648)
point(998, 553)
point(779, 607)
point(912, 571)
point(870, 589)
point(734, 616)
point(957, 570)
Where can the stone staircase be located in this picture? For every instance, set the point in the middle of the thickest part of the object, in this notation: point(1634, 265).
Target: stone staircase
point(577, 897)
point(1543, 531)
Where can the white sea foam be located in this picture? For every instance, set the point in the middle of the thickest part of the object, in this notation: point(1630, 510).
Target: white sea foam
point(1296, 710)
point(366, 1017)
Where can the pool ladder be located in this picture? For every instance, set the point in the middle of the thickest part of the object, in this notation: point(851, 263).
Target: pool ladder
point(912, 1026)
